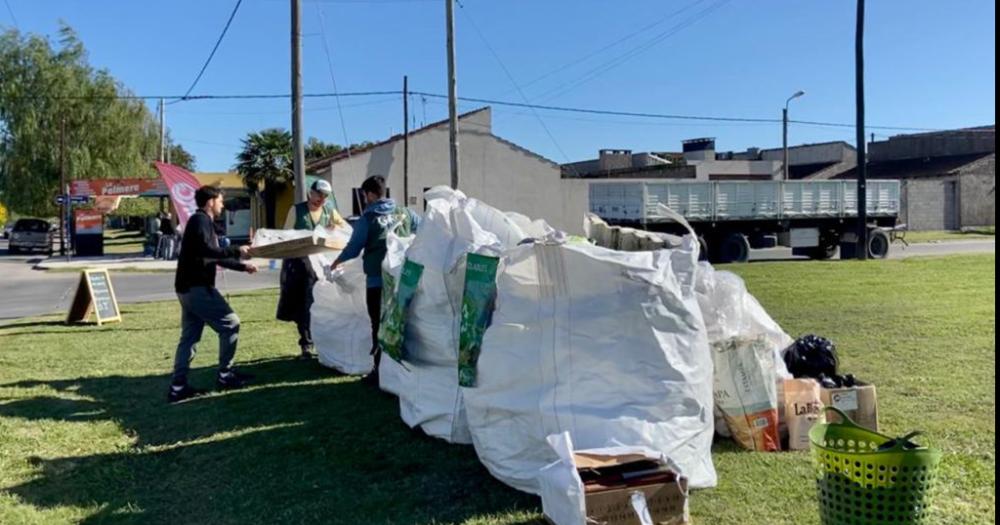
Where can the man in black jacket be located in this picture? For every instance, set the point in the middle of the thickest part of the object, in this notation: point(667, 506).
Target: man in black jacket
point(201, 302)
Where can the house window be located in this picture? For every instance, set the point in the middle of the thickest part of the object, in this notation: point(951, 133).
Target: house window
point(358, 200)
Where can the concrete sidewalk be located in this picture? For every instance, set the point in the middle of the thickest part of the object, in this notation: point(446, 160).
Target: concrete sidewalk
point(138, 264)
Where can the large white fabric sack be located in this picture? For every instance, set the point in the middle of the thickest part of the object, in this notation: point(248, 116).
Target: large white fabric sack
point(390, 373)
point(426, 381)
point(609, 346)
point(340, 326)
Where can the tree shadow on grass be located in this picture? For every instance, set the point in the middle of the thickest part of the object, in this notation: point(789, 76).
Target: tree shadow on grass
point(297, 447)
point(30, 324)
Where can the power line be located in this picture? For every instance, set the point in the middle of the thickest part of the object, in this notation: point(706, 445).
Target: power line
point(285, 111)
point(889, 128)
point(12, 17)
point(214, 49)
point(627, 37)
point(511, 78)
point(333, 79)
point(602, 111)
point(183, 98)
point(630, 54)
point(565, 109)
point(206, 142)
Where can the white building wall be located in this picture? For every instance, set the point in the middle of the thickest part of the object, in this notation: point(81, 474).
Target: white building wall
point(490, 169)
point(736, 167)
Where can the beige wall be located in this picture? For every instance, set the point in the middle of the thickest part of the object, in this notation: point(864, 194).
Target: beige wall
point(491, 169)
point(704, 170)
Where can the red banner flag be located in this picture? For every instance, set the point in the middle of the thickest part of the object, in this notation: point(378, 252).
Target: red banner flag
point(182, 185)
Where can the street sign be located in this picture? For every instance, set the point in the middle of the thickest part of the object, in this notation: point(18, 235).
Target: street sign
point(75, 199)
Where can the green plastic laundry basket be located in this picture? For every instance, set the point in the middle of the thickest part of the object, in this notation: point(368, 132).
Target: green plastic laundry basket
point(867, 478)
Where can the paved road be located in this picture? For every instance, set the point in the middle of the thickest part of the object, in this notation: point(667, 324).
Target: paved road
point(898, 251)
point(27, 292)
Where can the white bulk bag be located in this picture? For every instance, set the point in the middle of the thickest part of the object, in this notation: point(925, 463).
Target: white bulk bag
point(426, 380)
point(607, 345)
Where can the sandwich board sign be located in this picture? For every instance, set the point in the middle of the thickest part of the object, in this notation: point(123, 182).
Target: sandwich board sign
point(94, 294)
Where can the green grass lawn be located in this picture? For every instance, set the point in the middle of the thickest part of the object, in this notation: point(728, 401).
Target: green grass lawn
point(123, 242)
point(85, 434)
point(986, 232)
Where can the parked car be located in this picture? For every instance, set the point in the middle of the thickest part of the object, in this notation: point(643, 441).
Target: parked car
point(31, 235)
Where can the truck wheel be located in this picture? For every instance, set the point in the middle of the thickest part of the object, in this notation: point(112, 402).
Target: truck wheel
point(702, 248)
point(735, 248)
point(878, 243)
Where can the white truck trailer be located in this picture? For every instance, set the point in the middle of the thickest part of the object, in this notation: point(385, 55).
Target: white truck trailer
point(814, 218)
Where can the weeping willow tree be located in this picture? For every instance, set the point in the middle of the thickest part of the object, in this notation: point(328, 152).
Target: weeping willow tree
point(49, 93)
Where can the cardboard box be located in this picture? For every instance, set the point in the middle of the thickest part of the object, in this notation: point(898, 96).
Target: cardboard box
point(610, 481)
point(858, 402)
point(295, 248)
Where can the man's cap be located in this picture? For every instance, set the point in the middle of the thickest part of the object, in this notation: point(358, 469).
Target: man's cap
point(323, 187)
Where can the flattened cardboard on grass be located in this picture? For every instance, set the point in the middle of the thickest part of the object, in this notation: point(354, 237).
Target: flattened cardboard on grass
point(610, 481)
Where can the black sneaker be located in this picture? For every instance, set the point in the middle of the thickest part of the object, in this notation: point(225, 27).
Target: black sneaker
point(232, 380)
point(178, 393)
point(307, 353)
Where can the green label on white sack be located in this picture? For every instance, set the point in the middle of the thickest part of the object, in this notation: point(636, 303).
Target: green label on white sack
point(478, 301)
point(394, 308)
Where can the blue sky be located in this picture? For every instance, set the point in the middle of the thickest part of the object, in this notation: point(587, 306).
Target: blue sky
point(929, 64)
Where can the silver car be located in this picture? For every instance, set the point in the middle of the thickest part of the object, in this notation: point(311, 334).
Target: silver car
point(31, 235)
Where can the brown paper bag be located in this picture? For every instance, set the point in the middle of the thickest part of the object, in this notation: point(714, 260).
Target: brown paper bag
point(803, 406)
point(858, 402)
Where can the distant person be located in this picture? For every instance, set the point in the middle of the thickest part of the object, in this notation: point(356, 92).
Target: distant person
point(201, 302)
point(381, 216)
point(154, 238)
point(297, 275)
point(222, 231)
point(168, 236)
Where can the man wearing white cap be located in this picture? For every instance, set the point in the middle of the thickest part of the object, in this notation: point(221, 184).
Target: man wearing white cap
point(297, 275)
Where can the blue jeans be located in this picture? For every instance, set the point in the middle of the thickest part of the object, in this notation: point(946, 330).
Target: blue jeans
point(202, 305)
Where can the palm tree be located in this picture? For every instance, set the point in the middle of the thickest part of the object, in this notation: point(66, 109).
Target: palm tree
point(266, 160)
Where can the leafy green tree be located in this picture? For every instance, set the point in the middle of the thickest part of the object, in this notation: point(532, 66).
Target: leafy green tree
point(265, 163)
point(45, 89)
point(181, 157)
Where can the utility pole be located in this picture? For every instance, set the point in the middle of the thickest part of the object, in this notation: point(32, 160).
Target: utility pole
point(298, 153)
point(784, 143)
point(859, 88)
point(62, 187)
point(784, 134)
point(406, 142)
point(163, 133)
point(452, 95)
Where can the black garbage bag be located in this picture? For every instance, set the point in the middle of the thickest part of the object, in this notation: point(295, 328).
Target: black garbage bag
point(813, 357)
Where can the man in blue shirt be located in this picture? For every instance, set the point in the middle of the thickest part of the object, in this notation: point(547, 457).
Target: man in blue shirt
point(380, 217)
